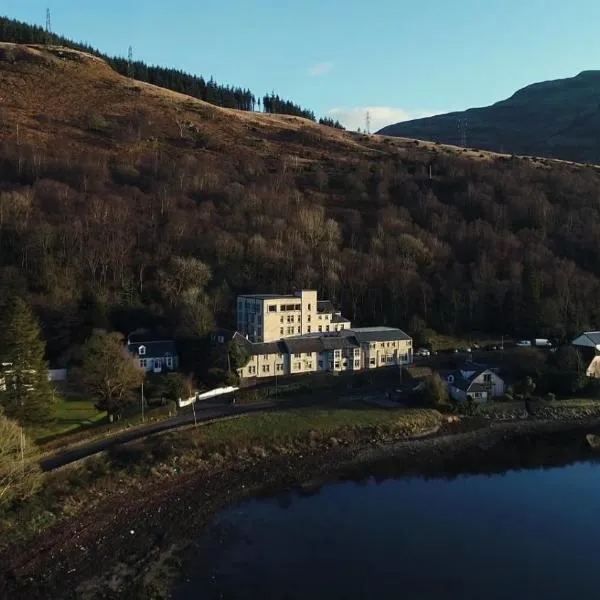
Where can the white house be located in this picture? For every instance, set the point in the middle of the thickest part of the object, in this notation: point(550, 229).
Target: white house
point(153, 355)
point(473, 381)
point(588, 344)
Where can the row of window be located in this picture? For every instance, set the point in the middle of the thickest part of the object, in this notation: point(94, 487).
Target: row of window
point(155, 362)
point(373, 345)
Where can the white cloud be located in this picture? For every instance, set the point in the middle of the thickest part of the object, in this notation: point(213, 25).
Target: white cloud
point(380, 116)
point(320, 69)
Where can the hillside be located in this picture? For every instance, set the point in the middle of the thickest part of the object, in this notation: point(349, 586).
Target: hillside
point(126, 205)
point(558, 118)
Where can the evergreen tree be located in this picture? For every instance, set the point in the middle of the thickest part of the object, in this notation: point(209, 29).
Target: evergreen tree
point(26, 393)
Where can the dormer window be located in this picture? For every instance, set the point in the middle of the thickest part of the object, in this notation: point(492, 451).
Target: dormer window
point(142, 350)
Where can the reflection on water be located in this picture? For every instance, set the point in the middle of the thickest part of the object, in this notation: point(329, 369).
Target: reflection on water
point(485, 525)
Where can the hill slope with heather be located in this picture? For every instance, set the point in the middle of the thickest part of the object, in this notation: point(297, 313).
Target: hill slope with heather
point(125, 205)
point(559, 118)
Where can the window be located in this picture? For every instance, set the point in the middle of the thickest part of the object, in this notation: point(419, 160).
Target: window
point(272, 308)
point(281, 331)
point(308, 318)
point(265, 368)
point(320, 317)
point(327, 328)
point(299, 330)
point(298, 319)
point(220, 339)
point(298, 307)
point(320, 364)
point(372, 362)
point(169, 361)
point(281, 319)
point(487, 377)
point(337, 364)
point(143, 363)
point(297, 355)
point(320, 328)
point(309, 308)
point(279, 367)
point(309, 365)
point(356, 364)
point(142, 350)
point(298, 366)
point(308, 329)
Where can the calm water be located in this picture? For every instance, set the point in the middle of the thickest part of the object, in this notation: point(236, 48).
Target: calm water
point(529, 534)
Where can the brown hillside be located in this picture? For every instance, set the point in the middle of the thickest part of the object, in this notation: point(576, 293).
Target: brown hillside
point(124, 204)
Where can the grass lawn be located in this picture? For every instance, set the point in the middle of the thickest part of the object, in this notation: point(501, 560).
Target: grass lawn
point(287, 425)
point(72, 415)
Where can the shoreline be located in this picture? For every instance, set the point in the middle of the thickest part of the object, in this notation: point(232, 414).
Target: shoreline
point(141, 538)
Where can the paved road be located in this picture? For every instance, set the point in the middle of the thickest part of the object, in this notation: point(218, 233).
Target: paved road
point(204, 412)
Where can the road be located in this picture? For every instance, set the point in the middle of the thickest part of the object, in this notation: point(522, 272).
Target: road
point(204, 412)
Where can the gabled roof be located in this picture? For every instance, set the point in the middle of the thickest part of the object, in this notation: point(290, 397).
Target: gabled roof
point(325, 306)
point(339, 319)
point(267, 296)
point(339, 342)
point(265, 348)
point(154, 348)
point(590, 339)
point(300, 345)
point(377, 334)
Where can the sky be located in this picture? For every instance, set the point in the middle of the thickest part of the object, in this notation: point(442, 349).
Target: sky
point(395, 59)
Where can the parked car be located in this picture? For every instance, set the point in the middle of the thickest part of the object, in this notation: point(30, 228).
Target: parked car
point(422, 352)
point(524, 344)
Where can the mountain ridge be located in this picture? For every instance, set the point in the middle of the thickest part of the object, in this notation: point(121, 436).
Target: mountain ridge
point(556, 118)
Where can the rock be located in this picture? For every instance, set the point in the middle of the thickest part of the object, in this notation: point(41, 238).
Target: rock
point(593, 441)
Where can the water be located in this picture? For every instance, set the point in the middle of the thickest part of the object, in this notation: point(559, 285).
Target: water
point(528, 534)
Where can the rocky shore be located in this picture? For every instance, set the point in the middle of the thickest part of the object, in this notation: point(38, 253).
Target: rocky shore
point(132, 544)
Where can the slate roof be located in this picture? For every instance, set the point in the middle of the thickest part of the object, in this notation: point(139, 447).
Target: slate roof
point(300, 345)
point(593, 336)
point(325, 306)
point(377, 334)
point(154, 348)
point(266, 348)
point(339, 319)
point(339, 342)
point(266, 296)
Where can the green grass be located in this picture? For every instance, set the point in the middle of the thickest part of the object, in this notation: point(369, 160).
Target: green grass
point(287, 425)
point(72, 415)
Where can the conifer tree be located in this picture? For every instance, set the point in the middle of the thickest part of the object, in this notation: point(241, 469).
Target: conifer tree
point(26, 394)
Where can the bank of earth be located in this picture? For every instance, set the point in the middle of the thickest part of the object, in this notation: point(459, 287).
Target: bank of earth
point(125, 528)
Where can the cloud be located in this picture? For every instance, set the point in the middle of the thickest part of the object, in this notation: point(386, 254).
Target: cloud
point(380, 116)
point(320, 69)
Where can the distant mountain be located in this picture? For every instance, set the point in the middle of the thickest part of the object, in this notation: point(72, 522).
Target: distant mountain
point(559, 119)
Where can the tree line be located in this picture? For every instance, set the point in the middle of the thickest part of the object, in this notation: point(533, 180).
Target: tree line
point(15, 31)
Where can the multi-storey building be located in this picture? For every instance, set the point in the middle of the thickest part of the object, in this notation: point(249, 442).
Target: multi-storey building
point(271, 317)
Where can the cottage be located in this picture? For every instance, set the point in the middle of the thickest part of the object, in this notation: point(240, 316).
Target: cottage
point(474, 382)
point(154, 356)
point(588, 344)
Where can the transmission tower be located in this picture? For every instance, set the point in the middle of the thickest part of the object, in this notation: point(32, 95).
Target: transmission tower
point(368, 123)
point(462, 132)
point(48, 27)
point(130, 62)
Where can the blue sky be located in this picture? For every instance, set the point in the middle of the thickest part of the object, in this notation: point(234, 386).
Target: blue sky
point(396, 58)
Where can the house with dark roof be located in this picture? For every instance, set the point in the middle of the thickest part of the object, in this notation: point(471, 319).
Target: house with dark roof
point(588, 344)
point(474, 382)
point(153, 355)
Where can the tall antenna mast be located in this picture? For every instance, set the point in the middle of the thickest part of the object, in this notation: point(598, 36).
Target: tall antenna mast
point(48, 26)
point(130, 62)
point(368, 123)
point(462, 132)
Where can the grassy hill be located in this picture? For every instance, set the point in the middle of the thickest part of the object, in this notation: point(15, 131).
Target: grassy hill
point(125, 205)
point(558, 118)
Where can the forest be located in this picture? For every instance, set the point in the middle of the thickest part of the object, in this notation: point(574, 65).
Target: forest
point(173, 79)
point(157, 217)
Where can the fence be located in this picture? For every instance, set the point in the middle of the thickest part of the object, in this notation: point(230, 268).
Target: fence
point(210, 394)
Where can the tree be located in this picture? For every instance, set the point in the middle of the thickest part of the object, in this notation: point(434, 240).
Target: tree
point(435, 391)
point(238, 355)
point(109, 372)
point(27, 395)
point(567, 371)
point(20, 473)
point(178, 386)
